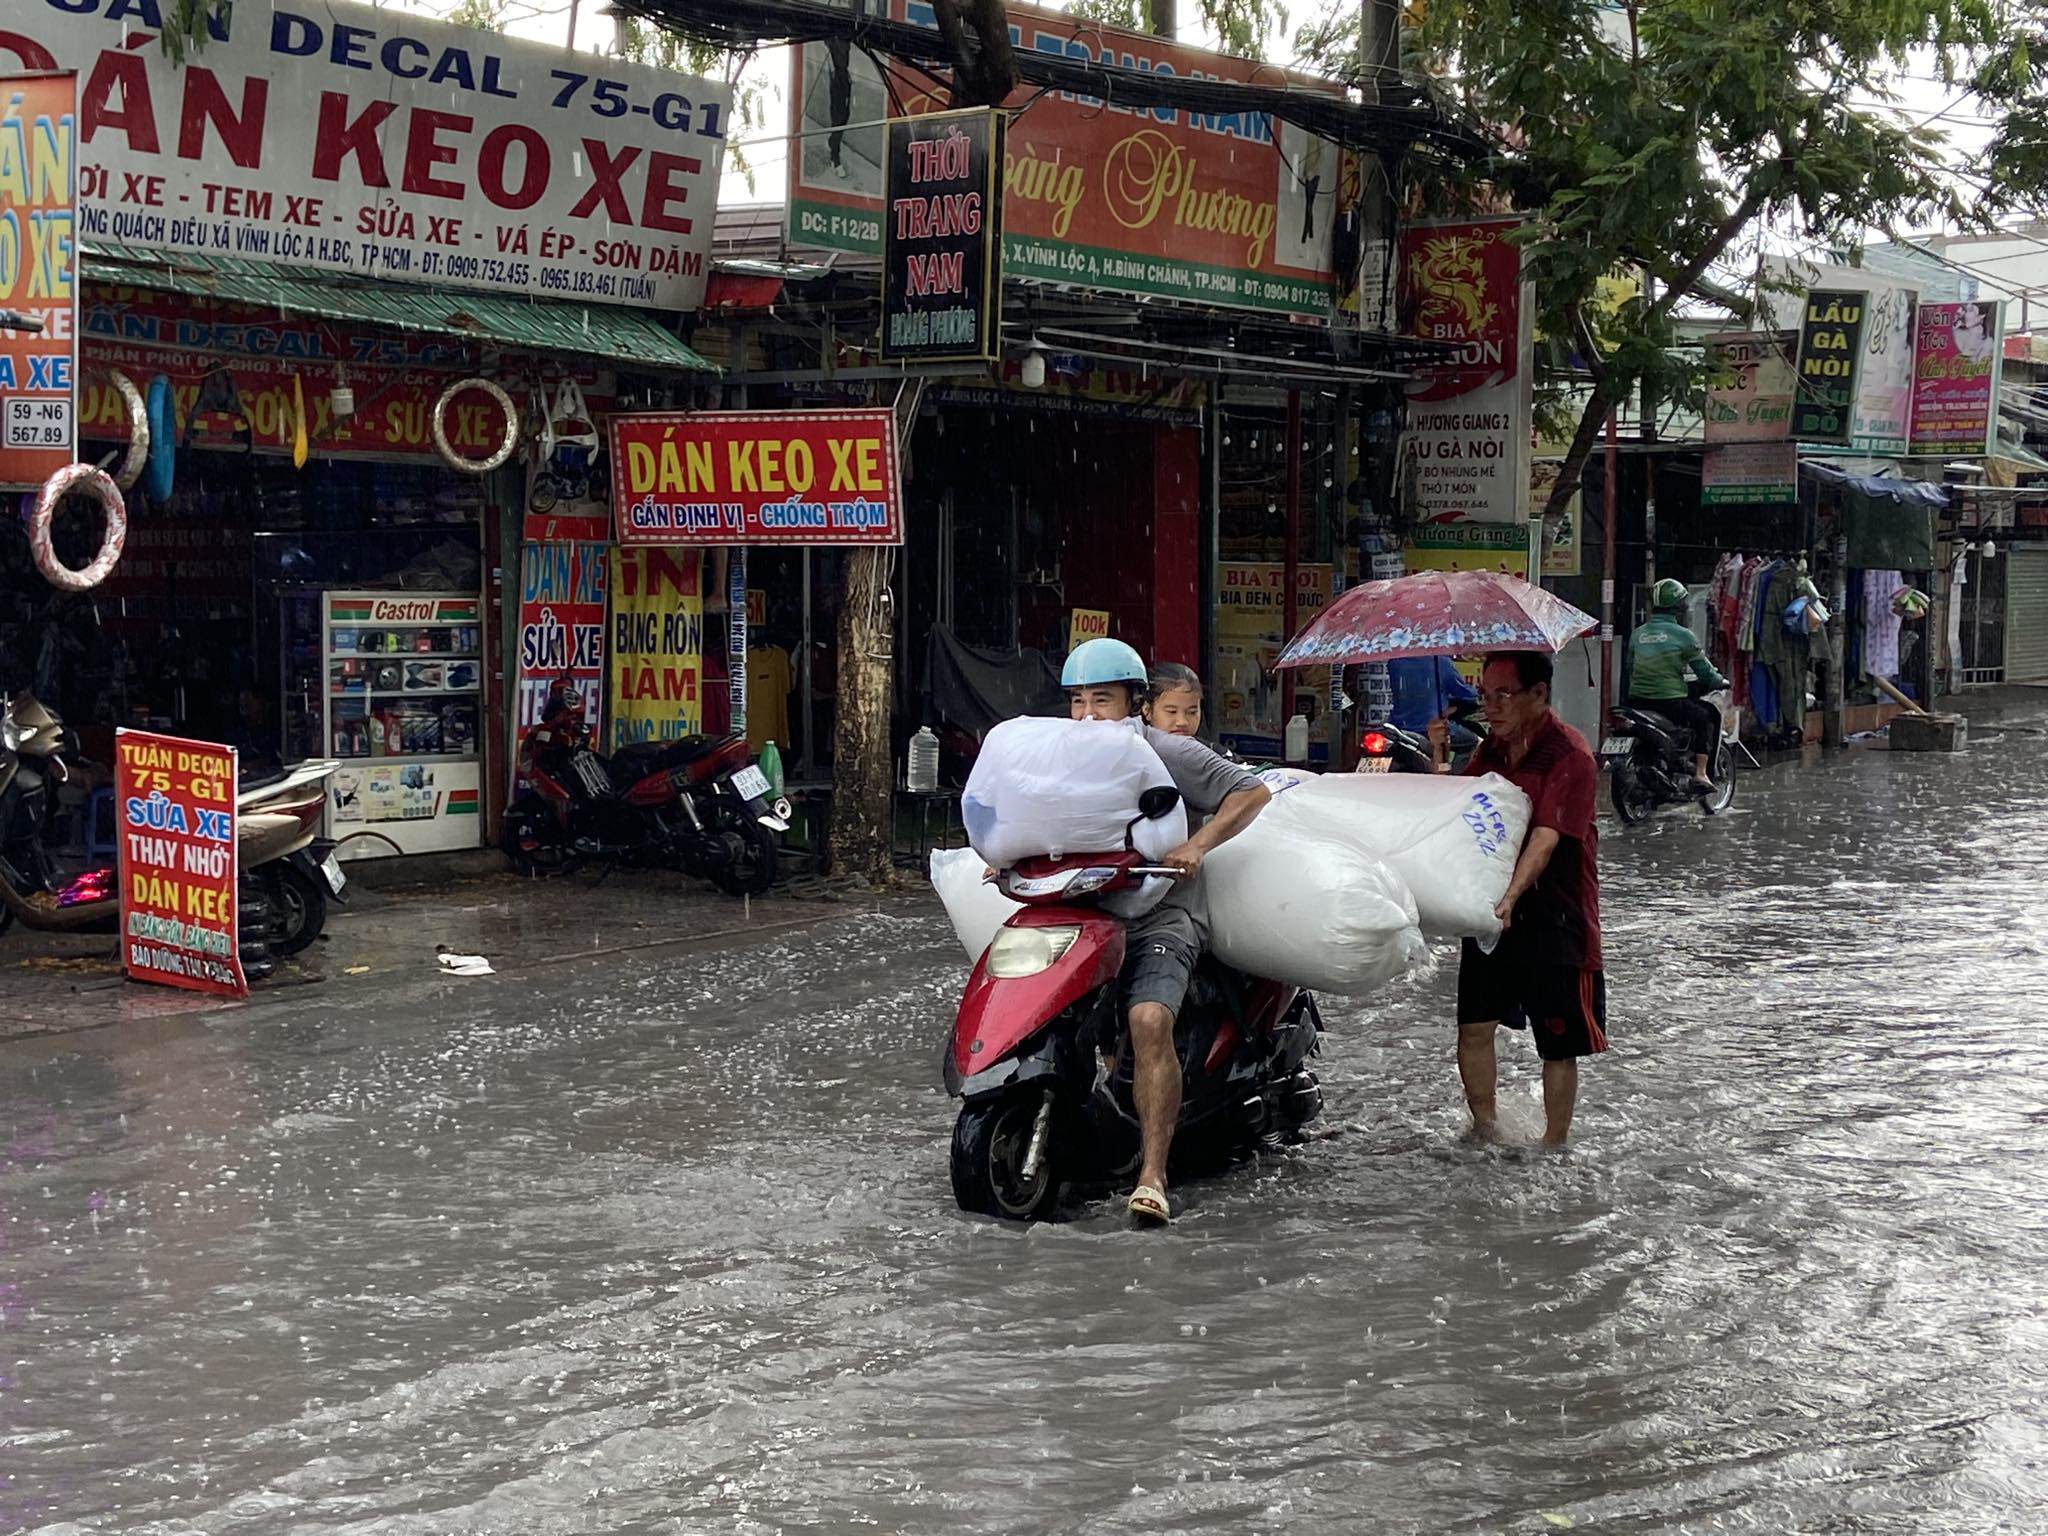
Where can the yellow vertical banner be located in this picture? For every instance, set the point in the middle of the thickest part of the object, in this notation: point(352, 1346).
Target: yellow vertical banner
point(657, 632)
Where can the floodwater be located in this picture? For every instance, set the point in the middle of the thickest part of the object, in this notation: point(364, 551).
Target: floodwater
point(670, 1248)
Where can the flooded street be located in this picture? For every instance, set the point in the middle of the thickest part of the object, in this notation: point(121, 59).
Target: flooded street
point(663, 1245)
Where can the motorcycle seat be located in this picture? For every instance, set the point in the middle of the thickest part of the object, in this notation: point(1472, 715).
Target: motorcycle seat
point(641, 758)
point(263, 780)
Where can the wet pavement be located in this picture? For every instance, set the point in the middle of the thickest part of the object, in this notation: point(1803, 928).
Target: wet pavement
point(658, 1241)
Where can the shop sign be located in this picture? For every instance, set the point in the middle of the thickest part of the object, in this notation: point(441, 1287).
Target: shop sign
point(942, 220)
point(373, 141)
point(1467, 440)
point(1560, 533)
point(1750, 474)
point(1955, 378)
point(1085, 624)
point(1457, 546)
point(393, 416)
point(1231, 209)
point(561, 630)
point(1882, 420)
point(1251, 630)
point(114, 314)
point(657, 650)
point(402, 610)
point(757, 477)
point(1830, 353)
point(177, 862)
point(1114, 393)
point(1751, 382)
point(38, 275)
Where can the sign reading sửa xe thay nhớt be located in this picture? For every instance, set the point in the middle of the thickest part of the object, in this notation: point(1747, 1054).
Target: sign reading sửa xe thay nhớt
point(941, 237)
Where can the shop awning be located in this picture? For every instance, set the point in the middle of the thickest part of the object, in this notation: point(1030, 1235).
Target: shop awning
point(618, 335)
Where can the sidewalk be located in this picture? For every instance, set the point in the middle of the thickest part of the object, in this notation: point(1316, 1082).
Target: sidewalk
point(388, 934)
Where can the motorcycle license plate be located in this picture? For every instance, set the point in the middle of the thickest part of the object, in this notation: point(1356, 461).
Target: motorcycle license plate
point(751, 783)
point(332, 870)
point(1617, 746)
point(1376, 765)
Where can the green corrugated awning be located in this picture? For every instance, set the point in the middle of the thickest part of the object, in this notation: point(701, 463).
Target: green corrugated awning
point(617, 335)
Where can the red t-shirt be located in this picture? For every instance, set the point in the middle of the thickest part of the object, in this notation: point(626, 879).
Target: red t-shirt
point(1557, 921)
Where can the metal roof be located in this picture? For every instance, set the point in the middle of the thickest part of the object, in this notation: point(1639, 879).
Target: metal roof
point(619, 335)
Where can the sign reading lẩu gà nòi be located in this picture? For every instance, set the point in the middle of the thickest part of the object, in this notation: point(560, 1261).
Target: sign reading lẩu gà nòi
point(1830, 349)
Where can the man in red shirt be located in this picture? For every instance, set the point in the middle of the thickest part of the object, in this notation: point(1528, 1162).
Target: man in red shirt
point(1545, 974)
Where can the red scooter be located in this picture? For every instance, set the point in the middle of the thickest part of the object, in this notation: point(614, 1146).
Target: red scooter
point(1041, 1110)
point(699, 804)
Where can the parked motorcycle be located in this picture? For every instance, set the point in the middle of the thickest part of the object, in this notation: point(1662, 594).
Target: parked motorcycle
point(700, 804)
point(288, 873)
point(1041, 1009)
point(1387, 748)
point(1649, 761)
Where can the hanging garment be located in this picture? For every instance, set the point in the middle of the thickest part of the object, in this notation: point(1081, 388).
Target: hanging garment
point(1880, 623)
point(1958, 578)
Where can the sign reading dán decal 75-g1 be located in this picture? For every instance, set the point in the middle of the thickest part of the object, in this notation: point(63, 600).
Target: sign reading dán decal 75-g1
point(942, 237)
point(757, 477)
point(375, 141)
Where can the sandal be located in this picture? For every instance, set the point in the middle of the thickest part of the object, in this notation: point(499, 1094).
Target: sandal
point(1148, 1205)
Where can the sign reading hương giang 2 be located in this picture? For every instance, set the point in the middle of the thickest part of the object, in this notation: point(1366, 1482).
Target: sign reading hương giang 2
point(756, 477)
point(1231, 209)
point(38, 275)
point(177, 862)
point(367, 140)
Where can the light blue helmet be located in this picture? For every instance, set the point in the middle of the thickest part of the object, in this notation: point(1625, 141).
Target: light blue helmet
point(1095, 662)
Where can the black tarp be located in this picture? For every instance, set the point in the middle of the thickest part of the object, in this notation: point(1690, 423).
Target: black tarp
point(976, 689)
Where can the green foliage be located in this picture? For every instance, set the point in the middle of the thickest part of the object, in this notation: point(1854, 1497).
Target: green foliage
point(185, 23)
point(1663, 134)
point(1243, 26)
point(2014, 83)
point(647, 44)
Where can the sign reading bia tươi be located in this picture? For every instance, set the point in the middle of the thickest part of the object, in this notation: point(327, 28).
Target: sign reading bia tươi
point(177, 862)
point(942, 236)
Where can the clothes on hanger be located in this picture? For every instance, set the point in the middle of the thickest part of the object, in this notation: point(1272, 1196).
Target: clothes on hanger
point(768, 684)
point(1881, 623)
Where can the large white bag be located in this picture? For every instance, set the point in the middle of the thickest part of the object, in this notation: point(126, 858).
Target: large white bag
point(1308, 909)
point(1055, 787)
point(1452, 840)
point(976, 907)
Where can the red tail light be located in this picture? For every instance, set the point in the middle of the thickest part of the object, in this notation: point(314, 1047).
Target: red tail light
point(1376, 744)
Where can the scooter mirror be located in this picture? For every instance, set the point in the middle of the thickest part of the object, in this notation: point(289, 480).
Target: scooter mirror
point(1158, 801)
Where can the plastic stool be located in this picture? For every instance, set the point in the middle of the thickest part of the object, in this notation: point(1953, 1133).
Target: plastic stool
point(96, 845)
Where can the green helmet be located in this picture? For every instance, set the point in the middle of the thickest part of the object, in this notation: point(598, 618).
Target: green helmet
point(1668, 593)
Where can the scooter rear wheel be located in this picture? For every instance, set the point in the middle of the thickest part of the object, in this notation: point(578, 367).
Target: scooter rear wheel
point(301, 909)
point(752, 870)
point(990, 1141)
point(1633, 799)
point(534, 840)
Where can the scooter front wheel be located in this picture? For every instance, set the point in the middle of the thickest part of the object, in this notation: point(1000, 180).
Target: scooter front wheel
point(534, 840)
point(991, 1146)
point(1633, 799)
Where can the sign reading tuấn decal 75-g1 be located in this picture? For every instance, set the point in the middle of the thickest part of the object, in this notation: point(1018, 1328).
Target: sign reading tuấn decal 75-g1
point(377, 142)
point(1230, 209)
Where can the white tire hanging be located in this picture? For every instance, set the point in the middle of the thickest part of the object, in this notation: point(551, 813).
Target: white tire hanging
point(136, 456)
point(79, 479)
point(440, 430)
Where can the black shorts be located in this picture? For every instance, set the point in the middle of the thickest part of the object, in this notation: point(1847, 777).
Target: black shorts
point(1160, 951)
point(1562, 1006)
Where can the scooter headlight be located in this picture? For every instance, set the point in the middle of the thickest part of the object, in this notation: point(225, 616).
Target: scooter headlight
point(11, 735)
point(1020, 952)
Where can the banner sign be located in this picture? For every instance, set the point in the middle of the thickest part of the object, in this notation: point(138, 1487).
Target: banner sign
point(657, 646)
point(942, 285)
point(1830, 351)
point(1882, 420)
point(757, 477)
point(1955, 378)
point(561, 630)
point(1251, 630)
point(1467, 443)
point(1750, 474)
point(38, 275)
point(1560, 533)
point(1751, 382)
point(736, 640)
point(377, 142)
point(1232, 209)
point(178, 864)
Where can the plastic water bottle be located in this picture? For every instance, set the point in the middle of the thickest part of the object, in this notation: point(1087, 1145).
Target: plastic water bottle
point(924, 762)
point(1296, 746)
point(771, 766)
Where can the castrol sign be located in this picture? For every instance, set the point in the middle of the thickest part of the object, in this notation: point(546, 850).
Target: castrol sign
point(384, 144)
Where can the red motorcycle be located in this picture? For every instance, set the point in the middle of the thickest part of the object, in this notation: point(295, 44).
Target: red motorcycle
point(699, 804)
point(1042, 1011)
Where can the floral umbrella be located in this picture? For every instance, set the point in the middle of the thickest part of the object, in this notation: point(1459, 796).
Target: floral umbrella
point(1437, 613)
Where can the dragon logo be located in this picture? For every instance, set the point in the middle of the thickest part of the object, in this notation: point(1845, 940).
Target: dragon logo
point(1450, 281)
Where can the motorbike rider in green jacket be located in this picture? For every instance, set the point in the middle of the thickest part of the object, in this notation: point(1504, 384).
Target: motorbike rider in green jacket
point(1663, 658)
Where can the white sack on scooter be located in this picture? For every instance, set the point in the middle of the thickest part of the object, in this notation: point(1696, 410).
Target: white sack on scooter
point(1452, 840)
point(1045, 787)
point(976, 907)
point(1308, 909)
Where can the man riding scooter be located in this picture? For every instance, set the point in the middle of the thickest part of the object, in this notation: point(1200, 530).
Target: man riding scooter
point(1106, 680)
point(1663, 655)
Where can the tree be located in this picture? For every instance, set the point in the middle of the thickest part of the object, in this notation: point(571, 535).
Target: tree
point(1242, 27)
point(1669, 135)
point(2011, 84)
